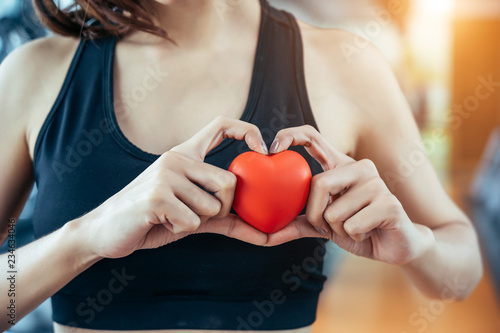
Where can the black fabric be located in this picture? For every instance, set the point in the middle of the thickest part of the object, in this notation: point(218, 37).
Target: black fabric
point(202, 281)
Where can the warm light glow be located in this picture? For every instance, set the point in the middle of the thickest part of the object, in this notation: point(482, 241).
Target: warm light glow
point(440, 7)
point(429, 47)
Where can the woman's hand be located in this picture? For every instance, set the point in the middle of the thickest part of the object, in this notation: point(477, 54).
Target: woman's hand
point(350, 204)
point(164, 203)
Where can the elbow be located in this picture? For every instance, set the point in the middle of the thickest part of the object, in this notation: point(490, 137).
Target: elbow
point(471, 273)
point(463, 285)
point(476, 274)
point(455, 290)
point(456, 287)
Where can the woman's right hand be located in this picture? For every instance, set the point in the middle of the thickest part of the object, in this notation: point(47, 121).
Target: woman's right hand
point(164, 203)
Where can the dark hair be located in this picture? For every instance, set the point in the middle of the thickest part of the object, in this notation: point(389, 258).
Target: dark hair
point(99, 18)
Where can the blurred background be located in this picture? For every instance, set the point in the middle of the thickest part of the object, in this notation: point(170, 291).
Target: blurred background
point(446, 55)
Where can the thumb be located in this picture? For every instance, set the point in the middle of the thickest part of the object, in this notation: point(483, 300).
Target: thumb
point(219, 129)
point(298, 228)
point(233, 226)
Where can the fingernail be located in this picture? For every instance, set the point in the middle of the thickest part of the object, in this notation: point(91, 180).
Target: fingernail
point(264, 147)
point(274, 146)
point(321, 231)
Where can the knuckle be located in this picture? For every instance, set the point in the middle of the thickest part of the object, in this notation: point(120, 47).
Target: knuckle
point(168, 155)
point(161, 184)
point(309, 129)
point(220, 120)
point(368, 167)
point(283, 132)
point(331, 216)
point(311, 217)
point(156, 198)
point(311, 134)
point(229, 179)
point(252, 128)
point(154, 203)
point(198, 198)
point(192, 222)
point(367, 164)
point(392, 204)
point(351, 229)
point(164, 176)
point(213, 185)
point(375, 185)
point(205, 203)
point(319, 182)
point(212, 207)
point(225, 180)
point(314, 219)
point(169, 158)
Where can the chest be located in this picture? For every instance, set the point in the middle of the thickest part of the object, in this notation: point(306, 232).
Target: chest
point(172, 95)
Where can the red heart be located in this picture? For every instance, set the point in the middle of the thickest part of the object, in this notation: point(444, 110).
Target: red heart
point(271, 190)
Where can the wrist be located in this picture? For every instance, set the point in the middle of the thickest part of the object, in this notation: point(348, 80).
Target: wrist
point(75, 233)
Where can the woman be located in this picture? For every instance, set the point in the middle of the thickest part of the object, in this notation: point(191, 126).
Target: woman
point(129, 140)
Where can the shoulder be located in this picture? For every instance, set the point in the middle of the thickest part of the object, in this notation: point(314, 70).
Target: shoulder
point(355, 71)
point(348, 59)
point(30, 79)
point(37, 58)
point(31, 66)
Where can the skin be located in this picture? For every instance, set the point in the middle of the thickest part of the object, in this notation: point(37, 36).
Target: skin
point(366, 129)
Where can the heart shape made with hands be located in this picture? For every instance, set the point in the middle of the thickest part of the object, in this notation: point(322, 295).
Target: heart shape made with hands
point(271, 190)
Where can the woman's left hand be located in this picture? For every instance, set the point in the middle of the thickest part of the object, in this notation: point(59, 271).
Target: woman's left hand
point(350, 204)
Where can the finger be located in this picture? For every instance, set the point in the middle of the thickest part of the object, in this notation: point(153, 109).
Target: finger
point(180, 216)
point(220, 182)
point(317, 201)
point(373, 216)
point(350, 203)
point(315, 144)
point(221, 128)
point(333, 183)
point(233, 226)
point(298, 228)
point(199, 201)
point(225, 194)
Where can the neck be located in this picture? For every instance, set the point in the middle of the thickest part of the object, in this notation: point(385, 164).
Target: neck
point(192, 23)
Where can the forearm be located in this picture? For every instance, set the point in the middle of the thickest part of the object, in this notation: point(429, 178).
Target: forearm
point(451, 267)
point(41, 268)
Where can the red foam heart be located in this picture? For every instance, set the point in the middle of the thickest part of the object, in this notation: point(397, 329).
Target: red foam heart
point(271, 190)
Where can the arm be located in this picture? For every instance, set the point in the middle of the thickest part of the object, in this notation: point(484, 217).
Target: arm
point(47, 264)
point(383, 208)
point(390, 138)
point(42, 268)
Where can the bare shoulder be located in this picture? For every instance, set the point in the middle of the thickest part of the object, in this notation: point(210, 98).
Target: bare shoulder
point(349, 77)
point(349, 60)
point(30, 79)
point(41, 58)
